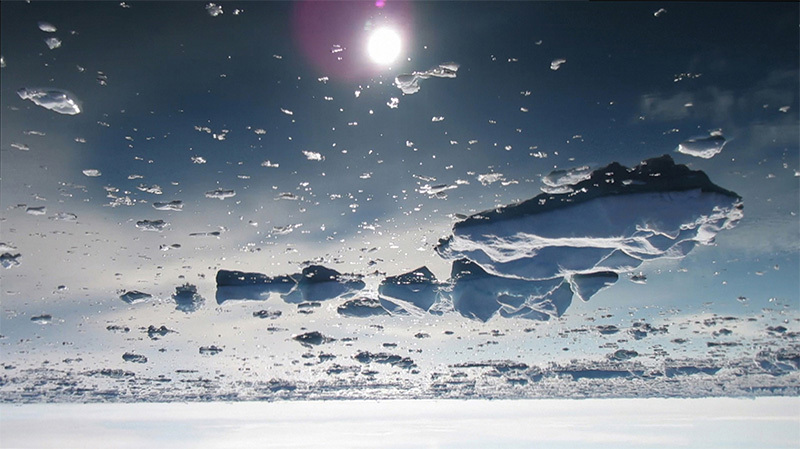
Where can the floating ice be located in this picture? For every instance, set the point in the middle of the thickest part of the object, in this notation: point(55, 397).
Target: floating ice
point(52, 42)
point(134, 358)
point(704, 147)
point(206, 234)
point(318, 283)
point(198, 160)
point(220, 193)
point(610, 223)
point(151, 225)
point(135, 296)
point(269, 164)
point(418, 288)
point(64, 216)
point(55, 100)
point(210, 350)
point(385, 358)
point(2, 62)
point(561, 181)
point(213, 9)
point(42, 319)
point(315, 338)
point(176, 205)
point(20, 146)
point(361, 307)
point(155, 189)
point(437, 191)
point(187, 299)
point(490, 178)
point(660, 12)
point(92, 172)
point(37, 210)
point(556, 64)
point(409, 83)
point(47, 27)
point(8, 260)
point(238, 285)
point(313, 156)
point(157, 332)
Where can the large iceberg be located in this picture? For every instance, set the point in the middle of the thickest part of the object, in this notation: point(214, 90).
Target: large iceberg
point(56, 100)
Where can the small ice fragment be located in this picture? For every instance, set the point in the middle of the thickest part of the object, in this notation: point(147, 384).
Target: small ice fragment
point(151, 225)
point(213, 9)
point(47, 27)
point(176, 205)
point(2, 62)
point(639, 278)
point(393, 102)
point(409, 82)
point(313, 156)
point(784, 108)
point(53, 99)
point(198, 160)
point(271, 314)
point(210, 350)
point(556, 64)
point(287, 112)
point(134, 358)
point(92, 172)
point(489, 178)
point(269, 164)
point(155, 189)
point(703, 147)
point(660, 12)
point(135, 296)
point(38, 210)
point(20, 146)
point(8, 260)
point(437, 119)
point(220, 194)
point(42, 319)
point(64, 216)
point(561, 181)
point(287, 196)
point(186, 298)
point(52, 42)
point(5, 247)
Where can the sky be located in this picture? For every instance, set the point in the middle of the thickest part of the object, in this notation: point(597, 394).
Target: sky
point(283, 145)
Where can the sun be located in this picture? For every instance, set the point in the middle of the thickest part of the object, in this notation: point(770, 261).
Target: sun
point(384, 46)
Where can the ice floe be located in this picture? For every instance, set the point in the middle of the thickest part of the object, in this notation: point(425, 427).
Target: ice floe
point(409, 82)
point(55, 100)
point(220, 194)
point(175, 205)
point(703, 147)
point(152, 225)
point(186, 298)
point(557, 63)
point(47, 27)
point(53, 43)
point(561, 181)
point(8, 260)
point(135, 296)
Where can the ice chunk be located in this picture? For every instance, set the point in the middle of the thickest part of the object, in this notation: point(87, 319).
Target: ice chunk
point(437, 191)
point(313, 156)
point(55, 100)
point(418, 287)
point(213, 9)
point(176, 205)
point(237, 285)
point(490, 178)
point(36, 210)
point(210, 350)
point(385, 358)
point(660, 12)
point(409, 82)
point(704, 147)
point(271, 314)
point(64, 216)
point(152, 225)
point(157, 332)
point(47, 27)
point(198, 160)
point(556, 64)
point(586, 285)
point(361, 307)
point(42, 319)
point(52, 42)
point(318, 283)
point(134, 358)
point(20, 146)
point(92, 172)
point(220, 194)
point(561, 181)
point(155, 189)
point(8, 260)
point(315, 338)
point(135, 296)
point(187, 299)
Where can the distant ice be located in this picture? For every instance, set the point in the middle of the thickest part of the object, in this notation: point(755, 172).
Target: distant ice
point(55, 100)
point(561, 181)
point(220, 194)
point(36, 210)
point(42, 319)
point(361, 307)
point(187, 299)
point(313, 156)
point(175, 205)
point(556, 64)
point(8, 260)
point(704, 147)
point(409, 82)
point(53, 43)
point(213, 9)
point(152, 225)
point(92, 172)
point(660, 12)
point(20, 146)
point(490, 178)
point(134, 358)
point(64, 216)
point(155, 189)
point(135, 296)
point(198, 160)
point(47, 27)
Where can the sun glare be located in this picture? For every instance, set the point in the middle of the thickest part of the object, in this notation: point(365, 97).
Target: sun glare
point(384, 46)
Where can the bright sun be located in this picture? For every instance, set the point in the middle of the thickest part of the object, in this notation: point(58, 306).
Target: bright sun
point(384, 46)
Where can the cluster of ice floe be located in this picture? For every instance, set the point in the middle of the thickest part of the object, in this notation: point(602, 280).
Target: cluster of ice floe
point(529, 260)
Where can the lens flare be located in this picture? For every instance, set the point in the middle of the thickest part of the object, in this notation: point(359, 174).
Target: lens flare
point(384, 46)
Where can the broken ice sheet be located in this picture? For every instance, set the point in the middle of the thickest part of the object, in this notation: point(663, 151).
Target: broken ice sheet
point(409, 82)
point(56, 100)
point(220, 194)
point(703, 147)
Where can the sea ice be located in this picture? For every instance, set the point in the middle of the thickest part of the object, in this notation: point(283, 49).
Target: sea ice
point(135, 296)
point(37, 210)
point(409, 82)
point(47, 27)
point(361, 307)
point(92, 172)
point(8, 260)
point(134, 358)
point(561, 181)
point(42, 319)
point(52, 42)
point(556, 64)
point(418, 287)
point(152, 225)
point(186, 298)
point(704, 147)
point(55, 100)
point(220, 194)
point(213, 9)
